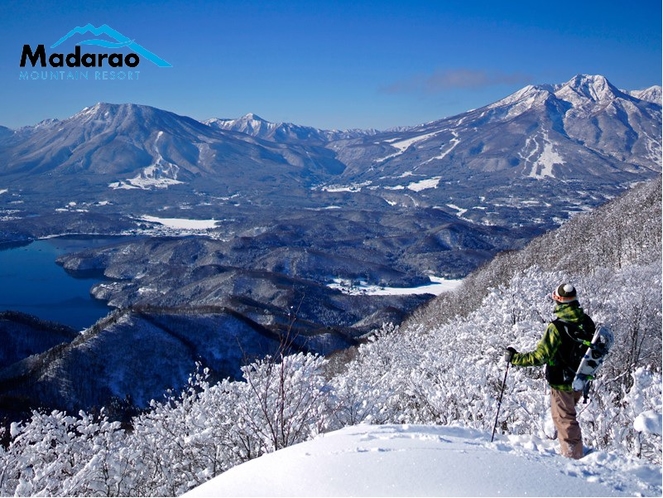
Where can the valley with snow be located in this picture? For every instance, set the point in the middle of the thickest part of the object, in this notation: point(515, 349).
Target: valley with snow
point(407, 413)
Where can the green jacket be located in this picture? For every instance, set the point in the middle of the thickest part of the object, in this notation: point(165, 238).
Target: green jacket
point(546, 352)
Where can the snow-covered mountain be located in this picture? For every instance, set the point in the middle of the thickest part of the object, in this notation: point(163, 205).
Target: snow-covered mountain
point(500, 165)
point(651, 94)
point(134, 146)
point(584, 129)
point(253, 125)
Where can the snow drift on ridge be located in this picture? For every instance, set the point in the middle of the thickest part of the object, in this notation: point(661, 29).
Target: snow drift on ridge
point(393, 460)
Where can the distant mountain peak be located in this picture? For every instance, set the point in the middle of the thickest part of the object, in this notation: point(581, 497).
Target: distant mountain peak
point(525, 97)
point(253, 116)
point(254, 121)
point(254, 125)
point(651, 94)
point(580, 92)
point(250, 124)
point(595, 88)
point(105, 107)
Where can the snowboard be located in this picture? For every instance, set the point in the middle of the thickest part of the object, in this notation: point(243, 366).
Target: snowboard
point(593, 358)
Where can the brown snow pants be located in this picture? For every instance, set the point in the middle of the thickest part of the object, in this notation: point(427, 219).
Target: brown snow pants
point(563, 405)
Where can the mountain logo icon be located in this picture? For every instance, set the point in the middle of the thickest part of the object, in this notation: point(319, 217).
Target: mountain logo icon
point(121, 41)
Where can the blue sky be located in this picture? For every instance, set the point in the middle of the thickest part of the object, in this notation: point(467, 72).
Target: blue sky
point(341, 64)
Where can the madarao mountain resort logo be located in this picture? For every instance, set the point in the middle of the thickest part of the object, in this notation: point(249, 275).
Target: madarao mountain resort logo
point(112, 64)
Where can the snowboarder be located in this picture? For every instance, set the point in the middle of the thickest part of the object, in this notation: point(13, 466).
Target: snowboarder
point(561, 349)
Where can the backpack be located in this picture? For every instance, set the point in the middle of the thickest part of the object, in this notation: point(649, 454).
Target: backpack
point(575, 337)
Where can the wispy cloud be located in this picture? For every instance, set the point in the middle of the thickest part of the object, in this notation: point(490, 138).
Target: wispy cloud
point(443, 80)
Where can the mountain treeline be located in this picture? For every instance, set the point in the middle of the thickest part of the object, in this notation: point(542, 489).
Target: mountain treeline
point(444, 366)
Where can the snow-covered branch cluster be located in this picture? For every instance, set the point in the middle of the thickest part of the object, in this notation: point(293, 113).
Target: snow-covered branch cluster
point(178, 444)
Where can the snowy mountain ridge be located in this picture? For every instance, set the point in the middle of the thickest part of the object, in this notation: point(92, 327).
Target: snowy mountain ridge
point(585, 114)
point(577, 91)
point(255, 126)
point(565, 111)
point(584, 133)
point(580, 92)
point(251, 124)
point(651, 94)
point(584, 87)
point(130, 146)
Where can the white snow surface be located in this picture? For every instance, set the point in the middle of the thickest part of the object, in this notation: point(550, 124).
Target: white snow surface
point(648, 422)
point(403, 145)
point(436, 287)
point(182, 223)
point(402, 460)
point(425, 184)
point(543, 157)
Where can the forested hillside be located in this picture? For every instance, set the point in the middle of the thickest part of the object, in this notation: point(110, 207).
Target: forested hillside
point(444, 366)
point(626, 231)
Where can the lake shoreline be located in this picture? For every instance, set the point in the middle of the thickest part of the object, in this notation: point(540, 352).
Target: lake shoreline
point(35, 284)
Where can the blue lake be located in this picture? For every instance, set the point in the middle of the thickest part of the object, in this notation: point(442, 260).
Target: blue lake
point(31, 282)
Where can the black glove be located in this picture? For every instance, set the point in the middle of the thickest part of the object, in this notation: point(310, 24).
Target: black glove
point(508, 354)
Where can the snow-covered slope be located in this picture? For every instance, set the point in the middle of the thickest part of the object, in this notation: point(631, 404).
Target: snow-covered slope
point(393, 460)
